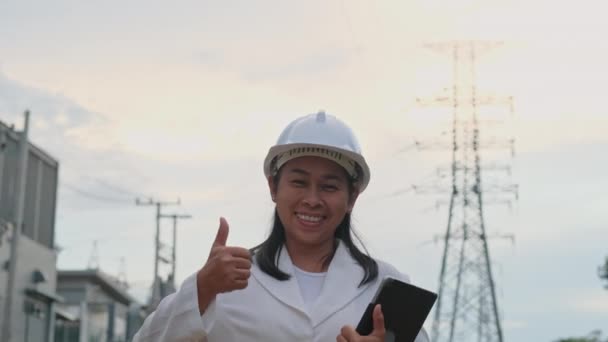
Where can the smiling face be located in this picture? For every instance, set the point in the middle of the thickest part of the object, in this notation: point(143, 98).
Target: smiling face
point(312, 196)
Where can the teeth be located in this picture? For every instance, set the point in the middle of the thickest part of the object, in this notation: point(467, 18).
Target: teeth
point(309, 218)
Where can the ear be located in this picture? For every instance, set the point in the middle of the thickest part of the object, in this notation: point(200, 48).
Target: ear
point(273, 189)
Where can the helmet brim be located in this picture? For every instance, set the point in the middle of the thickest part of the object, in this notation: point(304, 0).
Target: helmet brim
point(280, 149)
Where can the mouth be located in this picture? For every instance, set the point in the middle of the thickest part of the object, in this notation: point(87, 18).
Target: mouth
point(309, 220)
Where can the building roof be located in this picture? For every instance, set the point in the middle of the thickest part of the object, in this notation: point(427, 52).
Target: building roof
point(37, 150)
point(97, 277)
point(65, 315)
point(44, 294)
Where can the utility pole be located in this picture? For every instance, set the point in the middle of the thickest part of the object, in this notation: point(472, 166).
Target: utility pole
point(175, 217)
point(603, 272)
point(94, 257)
point(5, 226)
point(467, 308)
point(155, 298)
point(122, 274)
point(19, 210)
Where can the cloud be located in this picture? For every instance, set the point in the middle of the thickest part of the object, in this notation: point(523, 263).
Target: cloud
point(265, 64)
point(321, 62)
point(54, 110)
point(79, 138)
point(513, 324)
point(590, 301)
point(58, 124)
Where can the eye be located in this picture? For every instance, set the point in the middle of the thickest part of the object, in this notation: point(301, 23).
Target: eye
point(329, 187)
point(298, 183)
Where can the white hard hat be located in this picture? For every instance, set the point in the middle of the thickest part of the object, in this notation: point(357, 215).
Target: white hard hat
point(319, 135)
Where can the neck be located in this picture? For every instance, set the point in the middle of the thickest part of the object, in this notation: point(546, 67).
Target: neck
point(311, 258)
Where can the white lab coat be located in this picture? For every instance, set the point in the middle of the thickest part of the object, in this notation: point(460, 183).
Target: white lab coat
point(269, 309)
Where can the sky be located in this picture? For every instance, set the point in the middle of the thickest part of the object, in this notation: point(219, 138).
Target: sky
point(182, 101)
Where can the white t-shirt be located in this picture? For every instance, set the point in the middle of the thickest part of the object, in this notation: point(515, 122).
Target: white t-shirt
point(310, 284)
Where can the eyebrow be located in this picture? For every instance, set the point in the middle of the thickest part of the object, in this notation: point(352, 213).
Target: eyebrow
point(306, 173)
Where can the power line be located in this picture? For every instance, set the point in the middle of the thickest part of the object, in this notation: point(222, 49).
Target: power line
point(94, 196)
point(80, 243)
point(118, 189)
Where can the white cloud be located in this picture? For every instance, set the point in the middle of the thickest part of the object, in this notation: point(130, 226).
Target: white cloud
point(62, 119)
point(589, 301)
point(513, 324)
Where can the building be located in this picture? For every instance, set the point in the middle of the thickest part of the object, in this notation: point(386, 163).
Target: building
point(66, 326)
point(33, 299)
point(104, 311)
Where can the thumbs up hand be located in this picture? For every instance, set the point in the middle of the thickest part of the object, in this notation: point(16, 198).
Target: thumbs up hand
point(227, 269)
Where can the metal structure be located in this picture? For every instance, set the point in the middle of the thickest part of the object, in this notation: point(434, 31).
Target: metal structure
point(467, 308)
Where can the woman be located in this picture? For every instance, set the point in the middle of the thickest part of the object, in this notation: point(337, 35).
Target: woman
point(308, 281)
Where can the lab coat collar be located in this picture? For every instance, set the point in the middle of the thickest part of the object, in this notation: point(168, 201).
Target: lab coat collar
point(286, 291)
point(341, 285)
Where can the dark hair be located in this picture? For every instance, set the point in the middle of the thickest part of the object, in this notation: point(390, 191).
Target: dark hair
point(268, 252)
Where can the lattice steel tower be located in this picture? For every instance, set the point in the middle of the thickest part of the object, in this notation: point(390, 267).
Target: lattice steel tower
point(467, 308)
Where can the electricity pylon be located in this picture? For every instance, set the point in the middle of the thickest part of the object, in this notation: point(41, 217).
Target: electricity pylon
point(467, 308)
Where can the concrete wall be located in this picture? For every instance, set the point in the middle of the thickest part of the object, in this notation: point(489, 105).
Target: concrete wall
point(36, 249)
point(32, 256)
point(4, 255)
point(40, 190)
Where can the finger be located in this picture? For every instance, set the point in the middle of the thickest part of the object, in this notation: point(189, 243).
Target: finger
point(239, 252)
point(242, 264)
point(349, 333)
point(379, 329)
point(222, 233)
point(232, 262)
point(341, 338)
point(242, 274)
point(240, 284)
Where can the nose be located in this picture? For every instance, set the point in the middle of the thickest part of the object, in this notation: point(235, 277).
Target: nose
point(312, 198)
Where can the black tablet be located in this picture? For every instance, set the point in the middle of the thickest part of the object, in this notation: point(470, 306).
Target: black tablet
point(405, 308)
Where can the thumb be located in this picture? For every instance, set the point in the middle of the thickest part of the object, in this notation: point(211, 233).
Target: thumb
point(378, 316)
point(222, 233)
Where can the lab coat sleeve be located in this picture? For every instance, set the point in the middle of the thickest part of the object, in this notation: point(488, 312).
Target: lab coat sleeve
point(177, 318)
point(422, 336)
